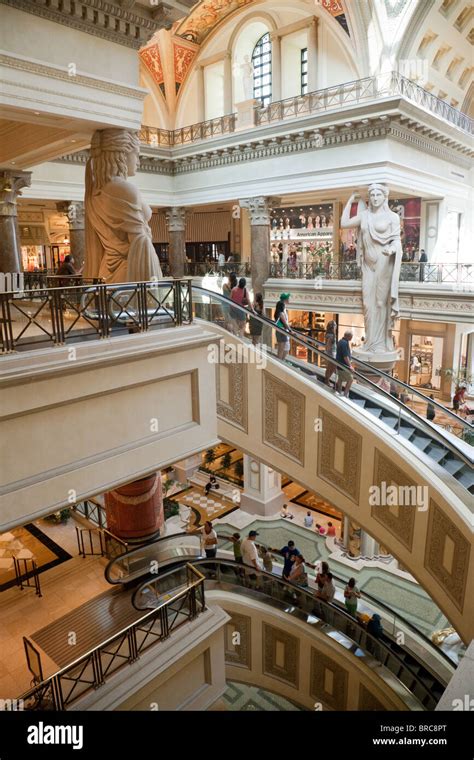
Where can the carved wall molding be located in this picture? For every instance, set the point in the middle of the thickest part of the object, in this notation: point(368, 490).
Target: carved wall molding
point(53, 72)
point(176, 218)
point(344, 475)
point(287, 670)
point(368, 701)
point(238, 654)
point(328, 681)
point(274, 392)
point(96, 25)
point(442, 531)
point(400, 522)
point(235, 411)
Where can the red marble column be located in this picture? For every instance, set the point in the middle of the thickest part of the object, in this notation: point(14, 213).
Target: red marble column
point(135, 511)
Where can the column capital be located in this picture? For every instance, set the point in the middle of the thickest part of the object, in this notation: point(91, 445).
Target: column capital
point(275, 35)
point(12, 181)
point(74, 210)
point(176, 218)
point(259, 208)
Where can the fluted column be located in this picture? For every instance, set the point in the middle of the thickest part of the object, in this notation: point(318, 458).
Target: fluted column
point(201, 94)
point(176, 222)
point(276, 66)
point(262, 494)
point(11, 185)
point(135, 510)
point(368, 546)
point(259, 209)
point(313, 83)
point(74, 211)
point(228, 79)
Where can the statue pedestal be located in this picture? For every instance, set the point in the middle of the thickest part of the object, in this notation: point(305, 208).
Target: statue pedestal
point(246, 114)
point(383, 360)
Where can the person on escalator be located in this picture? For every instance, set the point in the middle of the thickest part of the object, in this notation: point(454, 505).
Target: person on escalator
point(430, 410)
point(281, 320)
point(227, 291)
point(240, 297)
point(209, 540)
point(330, 350)
point(344, 356)
point(255, 326)
point(375, 627)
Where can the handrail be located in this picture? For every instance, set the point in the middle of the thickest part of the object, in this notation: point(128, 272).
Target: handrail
point(53, 679)
point(309, 344)
point(217, 563)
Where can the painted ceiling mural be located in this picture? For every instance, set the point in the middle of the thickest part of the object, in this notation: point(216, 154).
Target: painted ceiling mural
point(206, 15)
point(183, 57)
point(150, 57)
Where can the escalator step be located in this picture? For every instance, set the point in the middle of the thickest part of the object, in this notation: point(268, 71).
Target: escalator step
point(387, 419)
point(436, 453)
point(375, 410)
point(406, 431)
point(466, 477)
point(453, 465)
point(360, 402)
point(421, 442)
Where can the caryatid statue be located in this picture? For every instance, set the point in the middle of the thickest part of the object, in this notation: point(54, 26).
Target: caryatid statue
point(119, 246)
point(379, 254)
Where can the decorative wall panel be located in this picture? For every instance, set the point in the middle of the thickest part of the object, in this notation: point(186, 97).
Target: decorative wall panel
point(328, 681)
point(238, 653)
point(283, 420)
point(281, 654)
point(234, 408)
point(367, 701)
point(400, 521)
point(339, 455)
point(447, 554)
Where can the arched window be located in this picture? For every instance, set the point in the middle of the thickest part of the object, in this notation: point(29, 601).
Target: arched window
point(262, 70)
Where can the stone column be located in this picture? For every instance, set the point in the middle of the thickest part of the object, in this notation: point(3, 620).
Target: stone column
point(176, 222)
point(11, 184)
point(135, 511)
point(276, 66)
point(184, 469)
point(262, 494)
point(74, 211)
point(313, 56)
point(228, 79)
point(259, 214)
point(201, 94)
point(368, 546)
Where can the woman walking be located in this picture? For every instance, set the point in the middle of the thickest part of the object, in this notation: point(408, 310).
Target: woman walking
point(330, 349)
point(281, 320)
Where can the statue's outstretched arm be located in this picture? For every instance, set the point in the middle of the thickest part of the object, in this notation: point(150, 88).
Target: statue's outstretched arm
point(347, 220)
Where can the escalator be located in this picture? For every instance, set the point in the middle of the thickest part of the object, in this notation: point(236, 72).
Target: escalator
point(378, 394)
point(333, 620)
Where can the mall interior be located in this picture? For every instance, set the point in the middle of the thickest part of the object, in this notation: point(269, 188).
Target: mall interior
point(152, 156)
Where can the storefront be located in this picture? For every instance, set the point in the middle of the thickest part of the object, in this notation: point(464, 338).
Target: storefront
point(302, 239)
point(428, 351)
point(34, 247)
point(208, 234)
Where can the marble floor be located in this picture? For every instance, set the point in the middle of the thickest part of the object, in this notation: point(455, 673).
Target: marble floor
point(240, 697)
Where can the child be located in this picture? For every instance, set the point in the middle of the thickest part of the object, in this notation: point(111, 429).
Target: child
point(267, 560)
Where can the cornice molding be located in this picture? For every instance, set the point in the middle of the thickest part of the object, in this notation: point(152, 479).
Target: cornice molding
point(147, 26)
point(296, 142)
point(52, 72)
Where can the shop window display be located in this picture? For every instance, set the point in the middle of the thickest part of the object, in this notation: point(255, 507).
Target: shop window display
point(302, 240)
point(33, 258)
point(426, 354)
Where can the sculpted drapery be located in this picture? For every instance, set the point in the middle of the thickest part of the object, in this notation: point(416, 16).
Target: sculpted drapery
point(119, 246)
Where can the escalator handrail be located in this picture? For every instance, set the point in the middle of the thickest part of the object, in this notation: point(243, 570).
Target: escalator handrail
point(422, 423)
point(293, 588)
point(143, 546)
point(377, 603)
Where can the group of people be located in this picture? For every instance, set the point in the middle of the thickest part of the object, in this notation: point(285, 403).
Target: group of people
point(235, 290)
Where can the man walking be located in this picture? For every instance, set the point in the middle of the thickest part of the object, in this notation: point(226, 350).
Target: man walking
point(344, 356)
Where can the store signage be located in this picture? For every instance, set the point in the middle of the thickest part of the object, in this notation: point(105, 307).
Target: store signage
point(324, 233)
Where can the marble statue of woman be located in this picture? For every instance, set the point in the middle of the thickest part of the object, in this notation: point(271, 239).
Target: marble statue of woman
point(119, 247)
point(247, 71)
point(379, 254)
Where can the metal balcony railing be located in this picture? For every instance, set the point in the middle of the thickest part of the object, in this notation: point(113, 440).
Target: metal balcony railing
point(369, 89)
point(461, 275)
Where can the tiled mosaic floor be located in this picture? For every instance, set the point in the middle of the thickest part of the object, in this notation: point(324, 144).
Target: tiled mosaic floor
point(242, 698)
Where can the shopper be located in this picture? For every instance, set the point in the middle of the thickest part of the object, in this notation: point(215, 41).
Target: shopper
point(250, 556)
point(240, 296)
point(221, 262)
point(320, 529)
point(227, 291)
point(267, 560)
point(237, 546)
point(344, 356)
point(285, 513)
point(330, 349)
point(289, 553)
point(459, 398)
point(281, 320)
point(322, 575)
point(331, 531)
point(255, 325)
point(308, 520)
point(328, 590)
point(209, 540)
point(430, 410)
point(351, 595)
point(375, 627)
point(298, 574)
point(423, 260)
